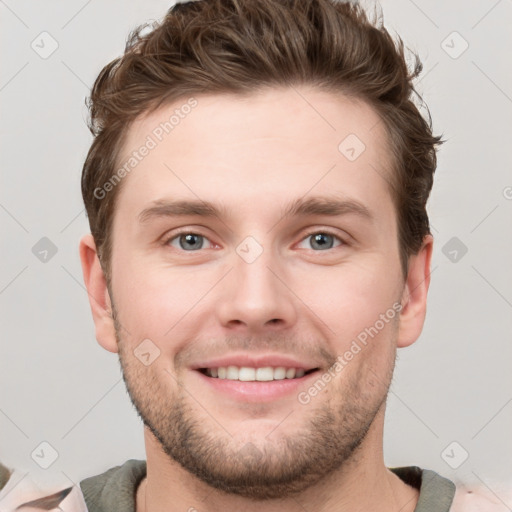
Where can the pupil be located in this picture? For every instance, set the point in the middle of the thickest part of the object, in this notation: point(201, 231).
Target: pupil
point(320, 239)
point(190, 238)
point(194, 241)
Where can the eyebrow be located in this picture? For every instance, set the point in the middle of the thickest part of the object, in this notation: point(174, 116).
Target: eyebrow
point(318, 205)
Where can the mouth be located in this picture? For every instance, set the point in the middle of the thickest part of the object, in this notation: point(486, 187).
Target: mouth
point(249, 377)
point(250, 374)
point(254, 384)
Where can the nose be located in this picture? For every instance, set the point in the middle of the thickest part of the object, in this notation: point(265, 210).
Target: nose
point(256, 297)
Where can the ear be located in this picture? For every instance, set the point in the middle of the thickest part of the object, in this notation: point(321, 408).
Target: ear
point(99, 298)
point(414, 297)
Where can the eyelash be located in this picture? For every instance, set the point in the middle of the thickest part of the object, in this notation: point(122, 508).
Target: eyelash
point(176, 235)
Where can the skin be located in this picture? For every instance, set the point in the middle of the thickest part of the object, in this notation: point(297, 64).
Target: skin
point(254, 156)
point(481, 499)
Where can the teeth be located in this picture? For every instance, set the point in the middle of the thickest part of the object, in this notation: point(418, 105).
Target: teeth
point(264, 374)
point(290, 373)
point(232, 373)
point(279, 373)
point(247, 374)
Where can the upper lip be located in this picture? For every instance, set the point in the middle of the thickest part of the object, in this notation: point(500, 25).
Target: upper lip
point(256, 361)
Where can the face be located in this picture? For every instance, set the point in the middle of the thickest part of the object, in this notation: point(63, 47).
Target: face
point(258, 240)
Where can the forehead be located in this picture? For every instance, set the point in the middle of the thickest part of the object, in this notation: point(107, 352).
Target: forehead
point(277, 143)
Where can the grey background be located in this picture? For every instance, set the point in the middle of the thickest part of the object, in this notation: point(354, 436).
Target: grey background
point(59, 386)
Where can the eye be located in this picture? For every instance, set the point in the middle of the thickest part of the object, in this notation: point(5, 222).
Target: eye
point(187, 241)
point(192, 242)
point(322, 240)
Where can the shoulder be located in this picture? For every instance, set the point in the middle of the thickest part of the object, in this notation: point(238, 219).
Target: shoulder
point(481, 499)
point(126, 474)
point(114, 490)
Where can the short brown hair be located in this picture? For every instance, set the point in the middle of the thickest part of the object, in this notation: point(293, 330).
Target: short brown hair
point(241, 46)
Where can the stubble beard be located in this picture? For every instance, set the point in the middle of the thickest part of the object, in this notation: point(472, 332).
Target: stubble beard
point(262, 469)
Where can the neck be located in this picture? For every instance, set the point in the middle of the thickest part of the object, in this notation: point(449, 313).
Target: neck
point(364, 483)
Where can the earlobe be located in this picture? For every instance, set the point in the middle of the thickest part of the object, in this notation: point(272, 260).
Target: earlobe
point(99, 298)
point(414, 298)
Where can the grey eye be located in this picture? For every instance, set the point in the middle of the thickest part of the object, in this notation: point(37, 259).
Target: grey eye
point(188, 241)
point(321, 241)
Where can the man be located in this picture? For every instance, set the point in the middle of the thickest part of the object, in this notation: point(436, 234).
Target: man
point(260, 248)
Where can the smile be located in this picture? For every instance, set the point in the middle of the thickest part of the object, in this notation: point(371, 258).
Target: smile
point(249, 374)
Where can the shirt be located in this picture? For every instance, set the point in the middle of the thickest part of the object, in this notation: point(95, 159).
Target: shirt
point(115, 489)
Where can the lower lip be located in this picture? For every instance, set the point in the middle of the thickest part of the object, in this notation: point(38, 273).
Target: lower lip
point(256, 391)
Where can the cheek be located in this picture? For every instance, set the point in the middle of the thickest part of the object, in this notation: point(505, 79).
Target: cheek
point(158, 303)
point(352, 297)
point(154, 300)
